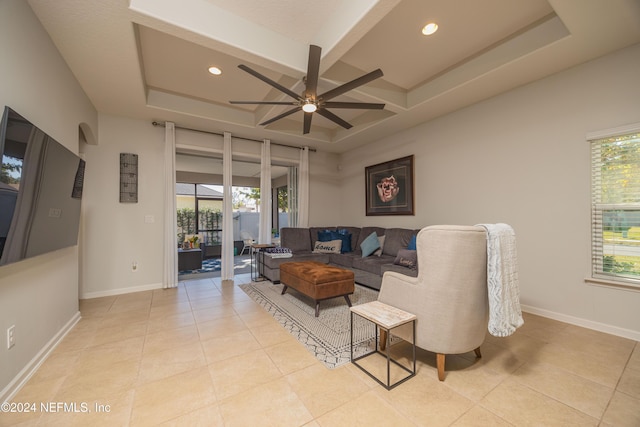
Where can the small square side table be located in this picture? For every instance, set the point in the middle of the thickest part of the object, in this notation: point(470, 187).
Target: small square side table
point(385, 317)
point(257, 257)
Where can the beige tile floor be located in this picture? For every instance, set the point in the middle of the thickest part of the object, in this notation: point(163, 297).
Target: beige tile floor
point(206, 354)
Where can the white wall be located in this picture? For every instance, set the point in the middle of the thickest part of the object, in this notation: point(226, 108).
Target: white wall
point(116, 234)
point(39, 295)
point(522, 158)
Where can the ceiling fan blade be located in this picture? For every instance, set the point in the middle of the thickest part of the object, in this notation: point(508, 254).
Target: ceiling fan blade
point(269, 81)
point(280, 116)
point(265, 102)
point(351, 85)
point(313, 69)
point(329, 115)
point(361, 105)
point(307, 123)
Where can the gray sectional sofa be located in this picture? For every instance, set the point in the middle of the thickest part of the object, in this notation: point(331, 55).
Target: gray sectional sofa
point(368, 270)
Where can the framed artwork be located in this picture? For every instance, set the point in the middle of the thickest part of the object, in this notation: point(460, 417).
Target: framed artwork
point(389, 187)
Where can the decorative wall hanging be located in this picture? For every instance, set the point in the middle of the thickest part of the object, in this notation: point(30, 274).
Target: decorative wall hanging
point(128, 178)
point(389, 187)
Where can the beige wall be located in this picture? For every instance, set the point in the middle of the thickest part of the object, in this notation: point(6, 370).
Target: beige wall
point(39, 295)
point(522, 158)
point(117, 234)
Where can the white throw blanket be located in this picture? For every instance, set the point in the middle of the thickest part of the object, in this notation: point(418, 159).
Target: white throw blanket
point(505, 315)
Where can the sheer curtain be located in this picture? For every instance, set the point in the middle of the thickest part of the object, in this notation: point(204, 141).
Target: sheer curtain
point(303, 189)
point(170, 275)
point(292, 202)
point(227, 211)
point(265, 194)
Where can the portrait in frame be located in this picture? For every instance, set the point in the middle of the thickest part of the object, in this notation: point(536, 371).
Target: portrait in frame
point(389, 187)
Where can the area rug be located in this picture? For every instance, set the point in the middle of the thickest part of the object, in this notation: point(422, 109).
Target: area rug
point(326, 336)
point(241, 265)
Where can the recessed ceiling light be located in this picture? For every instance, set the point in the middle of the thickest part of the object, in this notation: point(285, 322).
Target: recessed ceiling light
point(430, 28)
point(215, 71)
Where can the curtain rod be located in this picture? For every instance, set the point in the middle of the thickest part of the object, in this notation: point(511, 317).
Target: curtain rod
point(236, 137)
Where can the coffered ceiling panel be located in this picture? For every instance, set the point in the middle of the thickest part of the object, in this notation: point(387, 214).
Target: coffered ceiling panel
point(148, 59)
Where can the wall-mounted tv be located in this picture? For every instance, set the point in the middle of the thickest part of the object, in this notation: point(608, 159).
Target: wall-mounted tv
point(40, 191)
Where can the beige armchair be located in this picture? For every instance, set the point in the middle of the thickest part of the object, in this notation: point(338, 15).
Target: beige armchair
point(449, 296)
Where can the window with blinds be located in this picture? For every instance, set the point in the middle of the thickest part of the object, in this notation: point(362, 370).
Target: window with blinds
point(615, 208)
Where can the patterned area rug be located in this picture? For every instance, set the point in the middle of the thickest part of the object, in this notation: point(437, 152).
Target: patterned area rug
point(241, 265)
point(326, 336)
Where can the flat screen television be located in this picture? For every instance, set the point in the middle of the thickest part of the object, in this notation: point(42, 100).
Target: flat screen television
point(40, 191)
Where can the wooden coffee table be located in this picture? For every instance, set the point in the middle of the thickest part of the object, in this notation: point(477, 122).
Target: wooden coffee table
point(317, 280)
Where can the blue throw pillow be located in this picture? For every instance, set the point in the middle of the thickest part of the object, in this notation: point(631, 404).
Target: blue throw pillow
point(325, 236)
point(370, 245)
point(412, 243)
point(331, 235)
point(345, 236)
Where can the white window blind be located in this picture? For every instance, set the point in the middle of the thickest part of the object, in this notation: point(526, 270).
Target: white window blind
point(615, 208)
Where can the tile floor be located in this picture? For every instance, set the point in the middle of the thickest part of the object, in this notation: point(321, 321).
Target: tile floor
point(206, 354)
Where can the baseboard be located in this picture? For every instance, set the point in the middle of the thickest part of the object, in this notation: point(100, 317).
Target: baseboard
point(120, 291)
point(27, 372)
point(589, 324)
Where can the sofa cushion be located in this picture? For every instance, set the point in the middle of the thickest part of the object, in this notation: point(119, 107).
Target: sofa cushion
point(369, 244)
point(407, 258)
point(396, 239)
point(343, 260)
point(296, 239)
point(372, 264)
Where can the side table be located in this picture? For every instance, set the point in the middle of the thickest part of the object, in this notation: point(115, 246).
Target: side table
point(257, 257)
point(189, 259)
point(384, 317)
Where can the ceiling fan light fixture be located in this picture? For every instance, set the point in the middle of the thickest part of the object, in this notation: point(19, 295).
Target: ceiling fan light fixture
point(215, 71)
point(430, 28)
point(309, 107)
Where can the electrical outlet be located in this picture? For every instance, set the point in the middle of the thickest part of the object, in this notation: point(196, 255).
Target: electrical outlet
point(11, 337)
point(134, 266)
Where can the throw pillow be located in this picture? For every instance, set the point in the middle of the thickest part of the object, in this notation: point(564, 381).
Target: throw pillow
point(332, 247)
point(379, 251)
point(370, 244)
point(345, 236)
point(325, 236)
point(407, 258)
point(329, 235)
point(412, 244)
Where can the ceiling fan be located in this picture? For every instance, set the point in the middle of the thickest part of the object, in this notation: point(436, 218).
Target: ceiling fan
point(309, 101)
